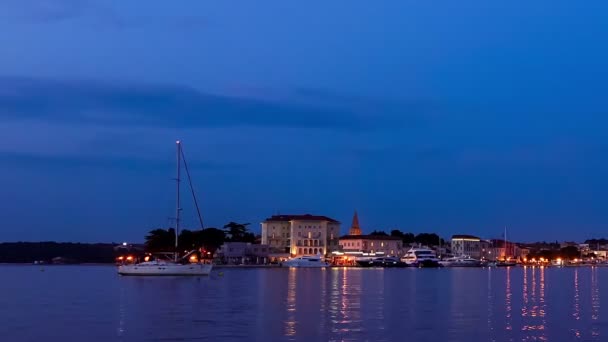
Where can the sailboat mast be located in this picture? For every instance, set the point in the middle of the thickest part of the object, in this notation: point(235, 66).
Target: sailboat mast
point(506, 248)
point(177, 207)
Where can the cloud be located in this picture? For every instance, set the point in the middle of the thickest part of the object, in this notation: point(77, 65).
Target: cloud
point(91, 13)
point(124, 104)
point(38, 160)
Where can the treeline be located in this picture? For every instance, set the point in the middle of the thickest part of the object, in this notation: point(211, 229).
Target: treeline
point(566, 253)
point(209, 239)
point(28, 252)
point(427, 239)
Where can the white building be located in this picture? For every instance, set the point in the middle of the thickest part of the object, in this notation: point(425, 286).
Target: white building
point(301, 234)
point(467, 245)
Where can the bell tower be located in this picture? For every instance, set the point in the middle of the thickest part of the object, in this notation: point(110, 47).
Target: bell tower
point(354, 228)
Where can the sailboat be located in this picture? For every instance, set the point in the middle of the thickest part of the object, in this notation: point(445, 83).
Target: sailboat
point(173, 267)
point(507, 262)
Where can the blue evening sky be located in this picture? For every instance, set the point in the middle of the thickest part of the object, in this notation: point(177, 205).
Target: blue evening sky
point(448, 116)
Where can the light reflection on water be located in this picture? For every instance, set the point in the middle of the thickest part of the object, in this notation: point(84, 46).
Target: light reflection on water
point(67, 303)
point(595, 304)
point(533, 311)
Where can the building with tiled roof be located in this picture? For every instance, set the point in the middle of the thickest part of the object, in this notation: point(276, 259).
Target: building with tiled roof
point(355, 241)
point(301, 234)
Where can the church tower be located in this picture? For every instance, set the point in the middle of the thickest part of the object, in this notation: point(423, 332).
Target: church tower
point(354, 228)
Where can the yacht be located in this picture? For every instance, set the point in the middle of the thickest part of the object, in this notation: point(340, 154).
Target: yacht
point(421, 257)
point(306, 261)
point(177, 266)
point(460, 261)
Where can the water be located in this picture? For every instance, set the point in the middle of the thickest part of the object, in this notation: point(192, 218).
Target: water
point(92, 303)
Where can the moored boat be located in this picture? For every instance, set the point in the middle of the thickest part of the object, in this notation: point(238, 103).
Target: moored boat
point(506, 263)
point(305, 261)
point(165, 268)
point(382, 262)
point(178, 266)
point(421, 257)
point(461, 261)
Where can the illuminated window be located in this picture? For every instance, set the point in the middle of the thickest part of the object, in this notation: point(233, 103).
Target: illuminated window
point(372, 244)
point(309, 235)
point(331, 236)
point(381, 244)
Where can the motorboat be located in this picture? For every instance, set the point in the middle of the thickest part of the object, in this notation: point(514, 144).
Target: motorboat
point(305, 261)
point(421, 257)
point(460, 261)
point(382, 262)
point(177, 266)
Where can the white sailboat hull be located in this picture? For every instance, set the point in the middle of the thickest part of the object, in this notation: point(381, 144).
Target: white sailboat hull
point(165, 270)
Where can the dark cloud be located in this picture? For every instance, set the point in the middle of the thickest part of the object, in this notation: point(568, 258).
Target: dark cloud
point(171, 106)
point(100, 162)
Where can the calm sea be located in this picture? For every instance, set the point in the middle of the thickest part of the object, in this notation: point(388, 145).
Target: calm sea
point(93, 303)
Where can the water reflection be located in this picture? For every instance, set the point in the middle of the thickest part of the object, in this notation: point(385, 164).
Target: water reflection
point(345, 303)
point(491, 305)
point(533, 310)
point(595, 305)
point(508, 306)
point(517, 304)
point(290, 307)
point(576, 307)
point(122, 314)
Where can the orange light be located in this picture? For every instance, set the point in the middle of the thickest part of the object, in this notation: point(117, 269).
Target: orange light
point(120, 258)
point(147, 258)
point(129, 258)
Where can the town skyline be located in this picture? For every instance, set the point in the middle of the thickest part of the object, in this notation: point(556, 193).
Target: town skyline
point(461, 118)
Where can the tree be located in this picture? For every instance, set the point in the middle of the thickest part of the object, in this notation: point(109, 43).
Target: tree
point(428, 239)
point(570, 252)
point(378, 232)
point(238, 232)
point(188, 240)
point(407, 238)
point(211, 239)
point(397, 233)
point(160, 240)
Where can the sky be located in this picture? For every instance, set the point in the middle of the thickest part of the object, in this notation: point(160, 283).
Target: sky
point(455, 117)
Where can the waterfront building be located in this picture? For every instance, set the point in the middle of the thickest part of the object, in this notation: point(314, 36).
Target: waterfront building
point(355, 242)
point(372, 244)
point(301, 234)
point(501, 250)
point(245, 253)
point(599, 254)
point(467, 245)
